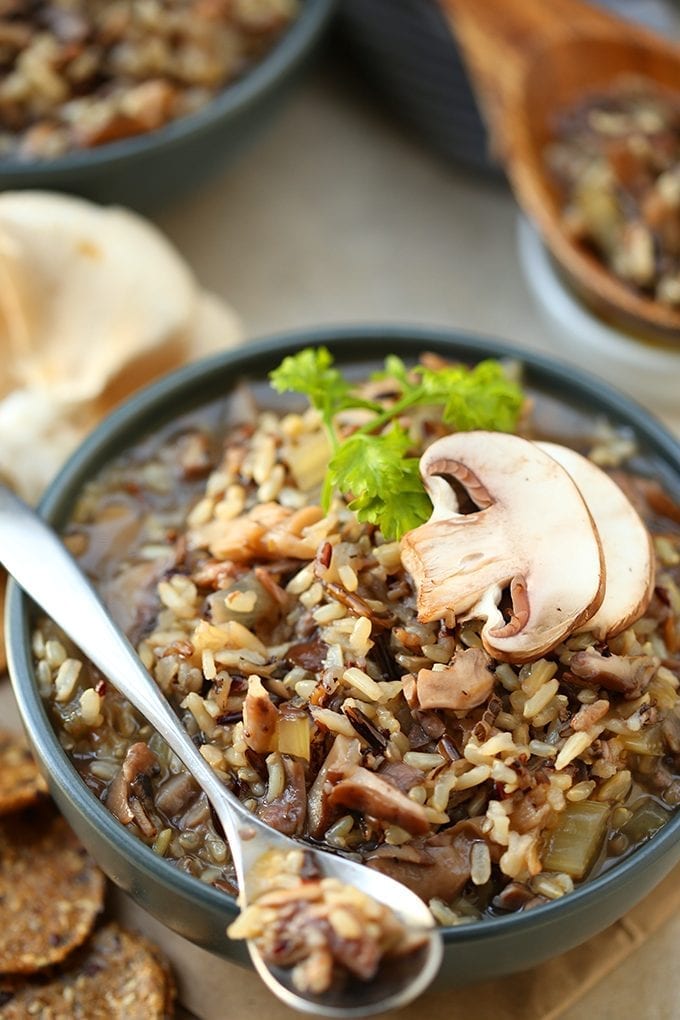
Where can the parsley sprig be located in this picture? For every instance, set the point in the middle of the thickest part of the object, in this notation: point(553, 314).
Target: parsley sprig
point(372, 467)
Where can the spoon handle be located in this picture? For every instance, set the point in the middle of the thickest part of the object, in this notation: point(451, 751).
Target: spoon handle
point(33, 554)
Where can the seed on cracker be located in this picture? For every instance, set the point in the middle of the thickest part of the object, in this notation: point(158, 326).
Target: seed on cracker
point(50, 891)
point(3, 651)
point(115, 976)
point(20, 782)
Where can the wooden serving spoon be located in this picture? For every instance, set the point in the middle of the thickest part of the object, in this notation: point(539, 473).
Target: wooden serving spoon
point(530, 60)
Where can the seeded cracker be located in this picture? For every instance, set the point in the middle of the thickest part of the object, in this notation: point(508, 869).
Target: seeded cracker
point(20, 782)
point(50, 891)
point(115, 976)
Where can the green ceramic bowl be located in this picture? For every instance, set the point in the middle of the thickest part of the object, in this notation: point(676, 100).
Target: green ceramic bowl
point(146, 171)
point(199, 912)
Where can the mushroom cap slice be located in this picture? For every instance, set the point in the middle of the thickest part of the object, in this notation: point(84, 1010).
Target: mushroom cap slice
point(626, 544)
point(532, 532)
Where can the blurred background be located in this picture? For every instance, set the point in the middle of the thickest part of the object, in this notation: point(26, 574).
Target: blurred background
point(373, 195)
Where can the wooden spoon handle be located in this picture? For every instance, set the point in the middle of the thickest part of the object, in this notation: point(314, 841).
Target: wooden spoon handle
point(500, 39)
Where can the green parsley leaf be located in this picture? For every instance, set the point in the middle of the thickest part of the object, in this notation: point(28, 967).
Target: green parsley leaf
point(312, 373)
point(404, 510)
point(384, 484)
point(371, 467)
point(365, 462)
point(395, 369)
point(473, 398)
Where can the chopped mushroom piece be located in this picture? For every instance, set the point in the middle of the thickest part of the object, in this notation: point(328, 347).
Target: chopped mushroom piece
point(589, 715)
point(341, 760)
point(129, 796)
point(403, 776)
point(287, 811)
point(465, 683)
point(527, 508)
point(626, 674)
point(175, 793)
point(436, 868)
point(365, 791)
point(260, 717)
point(626, 544)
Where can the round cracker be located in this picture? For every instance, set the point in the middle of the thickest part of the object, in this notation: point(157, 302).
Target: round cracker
point(115, 976)
point(50, 891)
point(20, 782)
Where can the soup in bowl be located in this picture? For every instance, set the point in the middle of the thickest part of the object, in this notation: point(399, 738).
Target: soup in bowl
point(416, 602)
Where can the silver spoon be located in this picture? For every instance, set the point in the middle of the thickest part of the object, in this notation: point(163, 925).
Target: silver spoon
point(34, 555)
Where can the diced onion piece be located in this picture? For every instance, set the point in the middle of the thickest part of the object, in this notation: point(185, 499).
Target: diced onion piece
point(577, 840)
point(647, 742)
point(293, 736)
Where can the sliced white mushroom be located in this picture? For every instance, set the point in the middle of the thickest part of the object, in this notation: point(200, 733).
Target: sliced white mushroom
point(532, 533)
point(626, 544)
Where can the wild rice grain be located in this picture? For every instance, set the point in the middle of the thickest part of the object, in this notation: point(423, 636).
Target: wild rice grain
point(213, 755)
point(581, 791)
point(333, 721)
point(301, 581)
point(348, 577)
point(574, 746)
point(336, 834)
point(475, 776)
point(208, 664)
point(201, 513)
point(362, 683)
point(241, 601)
point(90, 705)
point(55, 653)
point(552, 886)
point(359, 639)
point(538, 701)
point(541, 749)
point(423, 761)
point(66, 678)
point(276, 777)
point(328, 613)
point(480, 863)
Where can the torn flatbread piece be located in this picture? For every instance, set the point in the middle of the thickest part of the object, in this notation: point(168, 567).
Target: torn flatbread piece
point(94, 303)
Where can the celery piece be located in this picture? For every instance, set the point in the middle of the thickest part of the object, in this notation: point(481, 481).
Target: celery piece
point(648, 817)
point(293, 736)
point(648, 741)
point(576, 842)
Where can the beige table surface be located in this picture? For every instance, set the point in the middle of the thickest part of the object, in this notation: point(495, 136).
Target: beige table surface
point(335, 215)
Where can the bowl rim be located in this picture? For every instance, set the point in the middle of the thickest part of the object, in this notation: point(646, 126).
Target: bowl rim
point(233, 98)
point(139, 415)
point(589, 331)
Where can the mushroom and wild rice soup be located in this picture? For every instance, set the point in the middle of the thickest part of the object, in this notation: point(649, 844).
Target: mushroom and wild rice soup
point(289, 640)
point(77, 74)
